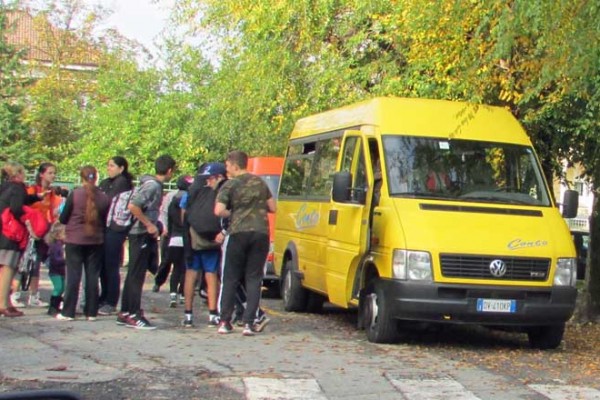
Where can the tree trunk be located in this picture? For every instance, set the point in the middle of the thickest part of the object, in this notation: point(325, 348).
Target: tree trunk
point(588, 309)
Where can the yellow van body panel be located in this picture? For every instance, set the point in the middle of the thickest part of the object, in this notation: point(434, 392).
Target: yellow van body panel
point(422, 117)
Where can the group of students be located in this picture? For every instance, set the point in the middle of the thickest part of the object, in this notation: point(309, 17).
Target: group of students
point(215, 225)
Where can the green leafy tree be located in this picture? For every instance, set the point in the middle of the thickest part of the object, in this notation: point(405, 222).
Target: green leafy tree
point(13, 132)
point(67, 55)
point(134, 115)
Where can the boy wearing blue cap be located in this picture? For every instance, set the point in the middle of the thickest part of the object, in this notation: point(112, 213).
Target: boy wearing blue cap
point(205, 239)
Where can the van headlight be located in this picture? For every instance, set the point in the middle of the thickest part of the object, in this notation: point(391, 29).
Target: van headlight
point(566, 272)
point(411, 265)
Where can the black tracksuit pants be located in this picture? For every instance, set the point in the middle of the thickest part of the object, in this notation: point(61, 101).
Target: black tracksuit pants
point(141, 248)
point(244, 259)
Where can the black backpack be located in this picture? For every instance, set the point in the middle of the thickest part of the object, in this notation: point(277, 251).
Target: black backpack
point(200, 213)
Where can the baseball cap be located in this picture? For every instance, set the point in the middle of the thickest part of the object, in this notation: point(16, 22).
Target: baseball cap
point(213, 169)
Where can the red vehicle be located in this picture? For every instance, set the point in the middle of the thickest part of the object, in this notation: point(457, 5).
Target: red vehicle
point(269, 169)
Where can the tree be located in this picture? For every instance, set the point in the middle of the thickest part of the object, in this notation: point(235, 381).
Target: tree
point(64, 64)
point(13, 132)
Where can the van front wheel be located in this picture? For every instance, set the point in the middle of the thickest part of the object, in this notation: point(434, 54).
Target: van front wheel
point(546, 337)
point(376, 317)
point(295, 297)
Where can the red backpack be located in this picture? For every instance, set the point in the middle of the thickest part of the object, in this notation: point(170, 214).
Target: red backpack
point(16, 230)
point(13, 229)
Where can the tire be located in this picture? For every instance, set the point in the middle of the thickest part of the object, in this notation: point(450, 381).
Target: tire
point(314, 303)
point(295, 297)
point(375, 315)
point(546, 337)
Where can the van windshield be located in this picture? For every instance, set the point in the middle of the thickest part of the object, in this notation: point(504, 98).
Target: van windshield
point(463, 170)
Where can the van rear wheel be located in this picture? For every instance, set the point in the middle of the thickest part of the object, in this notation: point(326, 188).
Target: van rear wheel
point(546, 337)
point(295, 297)
point(376, 317)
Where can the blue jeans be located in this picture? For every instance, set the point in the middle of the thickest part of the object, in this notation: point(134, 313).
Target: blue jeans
point(110, 278)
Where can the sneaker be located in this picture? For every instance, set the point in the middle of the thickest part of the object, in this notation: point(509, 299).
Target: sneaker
point(106, 309)
point(187, 323)
point(249, 330)
point(91, 319)
point(237, 320)
point(15, 299)
point(36, 301)
point(122, 318)
point(260, 323)
point(213, 320)
point(139, 322)
point(173, 302)
point(225, 327)
point(11, 312)
point(61, 317)
point(155, 288)
point(181, 299)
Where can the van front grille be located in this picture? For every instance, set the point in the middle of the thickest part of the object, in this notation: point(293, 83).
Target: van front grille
point(479, 267)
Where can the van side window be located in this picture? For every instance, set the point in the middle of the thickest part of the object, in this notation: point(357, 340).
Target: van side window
point(353, 161)
point(294, 180)
point(309, 168)
point(324, 168)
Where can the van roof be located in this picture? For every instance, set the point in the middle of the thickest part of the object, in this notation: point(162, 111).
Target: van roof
point(418, 117)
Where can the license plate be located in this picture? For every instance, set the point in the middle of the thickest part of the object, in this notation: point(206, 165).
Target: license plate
point(499, 306)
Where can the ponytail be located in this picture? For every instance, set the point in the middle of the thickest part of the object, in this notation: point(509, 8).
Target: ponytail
point(89, 175)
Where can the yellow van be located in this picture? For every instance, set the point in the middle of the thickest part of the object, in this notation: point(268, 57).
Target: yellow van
point(423, 210)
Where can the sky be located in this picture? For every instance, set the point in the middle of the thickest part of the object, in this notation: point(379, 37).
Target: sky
point(141, 20)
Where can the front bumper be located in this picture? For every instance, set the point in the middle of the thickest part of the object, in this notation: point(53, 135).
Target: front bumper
point(458, 303)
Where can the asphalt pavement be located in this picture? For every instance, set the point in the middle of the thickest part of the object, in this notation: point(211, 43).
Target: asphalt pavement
point(298, 356)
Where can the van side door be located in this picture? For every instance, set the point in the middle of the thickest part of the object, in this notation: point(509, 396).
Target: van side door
point(348, 221)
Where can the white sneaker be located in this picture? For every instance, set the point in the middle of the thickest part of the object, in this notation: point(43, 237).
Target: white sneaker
point(35, 301)
point(15, 299)
point(61, 317)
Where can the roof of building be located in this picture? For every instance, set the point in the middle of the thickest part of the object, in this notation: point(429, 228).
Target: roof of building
point(40, 41)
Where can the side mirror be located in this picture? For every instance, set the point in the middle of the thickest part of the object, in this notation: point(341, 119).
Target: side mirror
point(570, 203)
point(342, 183)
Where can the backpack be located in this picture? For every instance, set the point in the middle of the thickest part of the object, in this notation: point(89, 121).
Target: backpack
point(12, 228)
point(200, 213)
point(120, 218)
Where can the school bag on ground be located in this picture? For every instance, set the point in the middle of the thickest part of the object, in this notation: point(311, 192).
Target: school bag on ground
point(120, 218)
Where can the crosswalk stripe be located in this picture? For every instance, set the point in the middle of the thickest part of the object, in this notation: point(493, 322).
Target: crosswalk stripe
point(282, 389)
point(567, 392)
point(433, 389)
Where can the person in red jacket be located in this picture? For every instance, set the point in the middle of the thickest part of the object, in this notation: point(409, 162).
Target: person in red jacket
point(13, 196)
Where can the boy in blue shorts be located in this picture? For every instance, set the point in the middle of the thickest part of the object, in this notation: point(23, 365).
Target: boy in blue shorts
point(204, 240)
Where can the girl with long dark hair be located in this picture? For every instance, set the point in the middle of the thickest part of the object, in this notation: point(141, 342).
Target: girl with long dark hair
point(84, 216)
point(119, 180)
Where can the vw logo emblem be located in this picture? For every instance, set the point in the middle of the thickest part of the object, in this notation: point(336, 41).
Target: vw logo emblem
point(498, 268)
